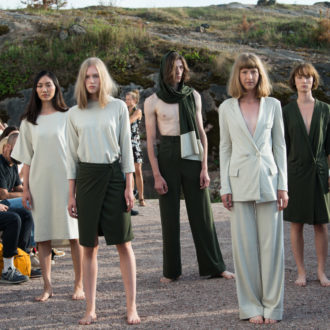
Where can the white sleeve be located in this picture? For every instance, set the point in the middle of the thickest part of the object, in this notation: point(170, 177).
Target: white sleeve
point(23, 149)
point(72, 147)
point(125, 143)
point(225, 149)
point(279, 147)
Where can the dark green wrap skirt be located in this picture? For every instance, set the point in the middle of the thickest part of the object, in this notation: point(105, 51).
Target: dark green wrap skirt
point(101, 205)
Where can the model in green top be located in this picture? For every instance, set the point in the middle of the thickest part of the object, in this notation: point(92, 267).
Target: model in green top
point(307, 134)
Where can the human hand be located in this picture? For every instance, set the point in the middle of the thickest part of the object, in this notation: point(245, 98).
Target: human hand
point(27, 199)
point(3, 208)
point(227, 201)
point(204, 179)
point(161, 185)
point(72, 207)
point(129, 198)
point(282, 199)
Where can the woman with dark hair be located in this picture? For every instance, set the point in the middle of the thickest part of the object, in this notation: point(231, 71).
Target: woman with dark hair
point(41, 147)
point(307, 135)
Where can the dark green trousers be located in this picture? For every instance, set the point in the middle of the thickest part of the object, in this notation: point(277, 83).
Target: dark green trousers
point(180, 173)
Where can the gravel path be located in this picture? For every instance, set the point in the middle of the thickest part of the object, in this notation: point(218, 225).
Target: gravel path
point(191, 303)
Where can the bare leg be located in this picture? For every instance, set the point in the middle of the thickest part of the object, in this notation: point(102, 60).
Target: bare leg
point(45, 258)
point(89, 280)
point(76, 254)
point(256, 319)
point(297, 244)
point(321, 246)
point(128, 272)
point(139, 182)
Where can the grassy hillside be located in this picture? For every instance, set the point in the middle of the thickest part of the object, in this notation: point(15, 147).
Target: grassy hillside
point(127, 40)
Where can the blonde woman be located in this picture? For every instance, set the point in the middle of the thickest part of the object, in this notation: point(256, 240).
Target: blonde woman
point(45, 187)
point(307, 134)
point(135, 116)
point(254, 188)
point(98, 138)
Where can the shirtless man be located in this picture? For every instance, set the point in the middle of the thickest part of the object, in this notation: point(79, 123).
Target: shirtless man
point(181, 163)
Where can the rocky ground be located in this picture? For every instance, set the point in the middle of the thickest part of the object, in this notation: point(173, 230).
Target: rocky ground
point(191, 303)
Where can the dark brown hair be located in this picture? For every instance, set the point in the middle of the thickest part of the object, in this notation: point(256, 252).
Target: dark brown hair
point(306, 70)
point(169, 70)
point(33, 109)
point(7, 131)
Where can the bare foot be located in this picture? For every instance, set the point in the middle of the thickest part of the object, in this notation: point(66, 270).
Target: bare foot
point(256, 319)
point(227, 275)
point(324, 281)
point(270, 321)
point(88, 319)
point(133, 317)
point(168, 280)
point(301, 280)
point(78, 294)
point(44, 296)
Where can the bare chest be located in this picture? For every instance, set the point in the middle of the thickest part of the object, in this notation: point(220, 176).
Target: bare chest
point(250, 113)
point(168, 118)
point(306, 111)
point(167, 112)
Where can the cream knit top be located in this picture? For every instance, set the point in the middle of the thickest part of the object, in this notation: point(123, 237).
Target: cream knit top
point(96, 135)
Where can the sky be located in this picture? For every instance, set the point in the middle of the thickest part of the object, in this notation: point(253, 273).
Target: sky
point(13, 4)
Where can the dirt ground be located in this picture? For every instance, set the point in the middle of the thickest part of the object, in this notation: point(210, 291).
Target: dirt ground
point(190, 303)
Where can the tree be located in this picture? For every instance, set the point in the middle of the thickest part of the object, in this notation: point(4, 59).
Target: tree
point(46, 4)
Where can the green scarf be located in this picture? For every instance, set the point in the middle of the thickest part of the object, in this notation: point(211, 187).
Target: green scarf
point(191, 147)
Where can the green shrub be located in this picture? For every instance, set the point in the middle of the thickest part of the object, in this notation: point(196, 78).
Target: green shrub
point(119, 47)
point(4, 29)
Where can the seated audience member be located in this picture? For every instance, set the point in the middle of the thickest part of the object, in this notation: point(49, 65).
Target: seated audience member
point(2, 126)
point(16, 225)
point(10, 183)
point(11, 188)
point(4, 139)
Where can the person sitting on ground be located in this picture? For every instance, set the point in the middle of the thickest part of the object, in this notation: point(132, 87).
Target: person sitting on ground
point(11, 188)
point(16, 224)
point(10, 183)
point(6, 132)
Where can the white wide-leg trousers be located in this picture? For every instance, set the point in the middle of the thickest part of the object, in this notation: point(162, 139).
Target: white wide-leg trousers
point(258, 251)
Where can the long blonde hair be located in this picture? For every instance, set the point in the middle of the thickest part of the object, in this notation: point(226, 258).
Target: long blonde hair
point(248, 61)
point(107, 85)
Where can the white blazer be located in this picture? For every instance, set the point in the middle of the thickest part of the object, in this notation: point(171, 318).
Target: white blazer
point(254, 167)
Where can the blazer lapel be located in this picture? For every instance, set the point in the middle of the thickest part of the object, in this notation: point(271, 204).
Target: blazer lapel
point(242, 123)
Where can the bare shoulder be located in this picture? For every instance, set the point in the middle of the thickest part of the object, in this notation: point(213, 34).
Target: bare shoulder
point(197, 96)
point(150, 103)
point(152, 99)
point(198, 100)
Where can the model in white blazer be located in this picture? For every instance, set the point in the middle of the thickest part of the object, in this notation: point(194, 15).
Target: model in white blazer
point(253, 168)
point(254, 188)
